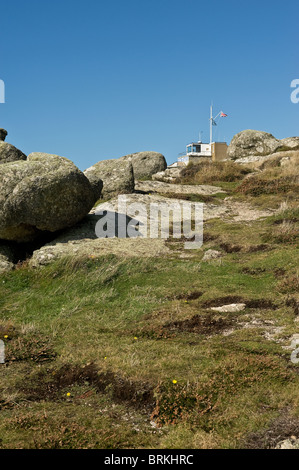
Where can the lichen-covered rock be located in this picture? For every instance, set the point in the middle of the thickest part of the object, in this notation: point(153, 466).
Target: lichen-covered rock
point(257, 144)
point(173, 188)
point(251, 142)
point(146, 164)
point(9, 153)
point(290, 143)
point(96, 184)
point(264, 161)
point(115, 175)
point(92, 249)
point(169, 175)
point(3, 134)
point(43, 193)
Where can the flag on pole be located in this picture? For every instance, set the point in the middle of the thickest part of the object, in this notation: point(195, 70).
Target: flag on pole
point(223, 114)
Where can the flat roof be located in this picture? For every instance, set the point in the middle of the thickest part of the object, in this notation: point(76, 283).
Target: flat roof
point(198, 143)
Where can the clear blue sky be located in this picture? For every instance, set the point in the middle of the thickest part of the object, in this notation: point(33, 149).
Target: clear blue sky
point(95, 79)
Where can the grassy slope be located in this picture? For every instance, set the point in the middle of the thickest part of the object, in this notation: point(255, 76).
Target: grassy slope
point(93, 345)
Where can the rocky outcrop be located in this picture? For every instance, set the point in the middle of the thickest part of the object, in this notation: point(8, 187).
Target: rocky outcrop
point(290, 143)
point(92, 249)
point(167, 188)
point(44, 193)
point(169, 175)
point(252, 145)
point(251, 142)
point(82, 240)
point(278, 158)
point(146, 164)
point(3, 134)
point(116, 177)
point(9, 153)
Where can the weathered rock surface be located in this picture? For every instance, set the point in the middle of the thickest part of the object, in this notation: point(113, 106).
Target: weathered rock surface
point(254, 145)
point(212, 254)
point(126, 247)
point(259, 161)
point(116, 177)
point(146, 164)
point(168, 188)
point(168, 176)
point(44, 193)
point(82, 240)
point(9, 153)
point(231, 308)
point(251, 142)
point(244, 212)
point(3, 134)
point(291, 143)
point(291, 443)
point(6, 258)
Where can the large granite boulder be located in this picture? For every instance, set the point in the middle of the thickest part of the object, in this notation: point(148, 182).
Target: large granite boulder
point(146, 164)
point(3, 134)
point(115, 175)
point(44, 193)
point(250, 142)
point(9, 153)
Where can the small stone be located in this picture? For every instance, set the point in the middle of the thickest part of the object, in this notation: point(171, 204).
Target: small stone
point(231, 308)
point(211, 254)
point(291, 443)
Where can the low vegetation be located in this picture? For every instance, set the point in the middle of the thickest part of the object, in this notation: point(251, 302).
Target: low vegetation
point(273, 180)
point(212, 173)
point(112, 352)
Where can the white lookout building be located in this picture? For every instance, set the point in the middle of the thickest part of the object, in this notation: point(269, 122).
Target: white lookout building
point(199, 151)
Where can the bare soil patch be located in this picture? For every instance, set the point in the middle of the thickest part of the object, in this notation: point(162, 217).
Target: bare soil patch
point(48, 385)
point(201, 324)
point(234, 299)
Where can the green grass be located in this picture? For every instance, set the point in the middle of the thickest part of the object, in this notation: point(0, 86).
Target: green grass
point(115, 352)
point(117, 314)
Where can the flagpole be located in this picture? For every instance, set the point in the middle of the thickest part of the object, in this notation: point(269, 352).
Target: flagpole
point(211, 123)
